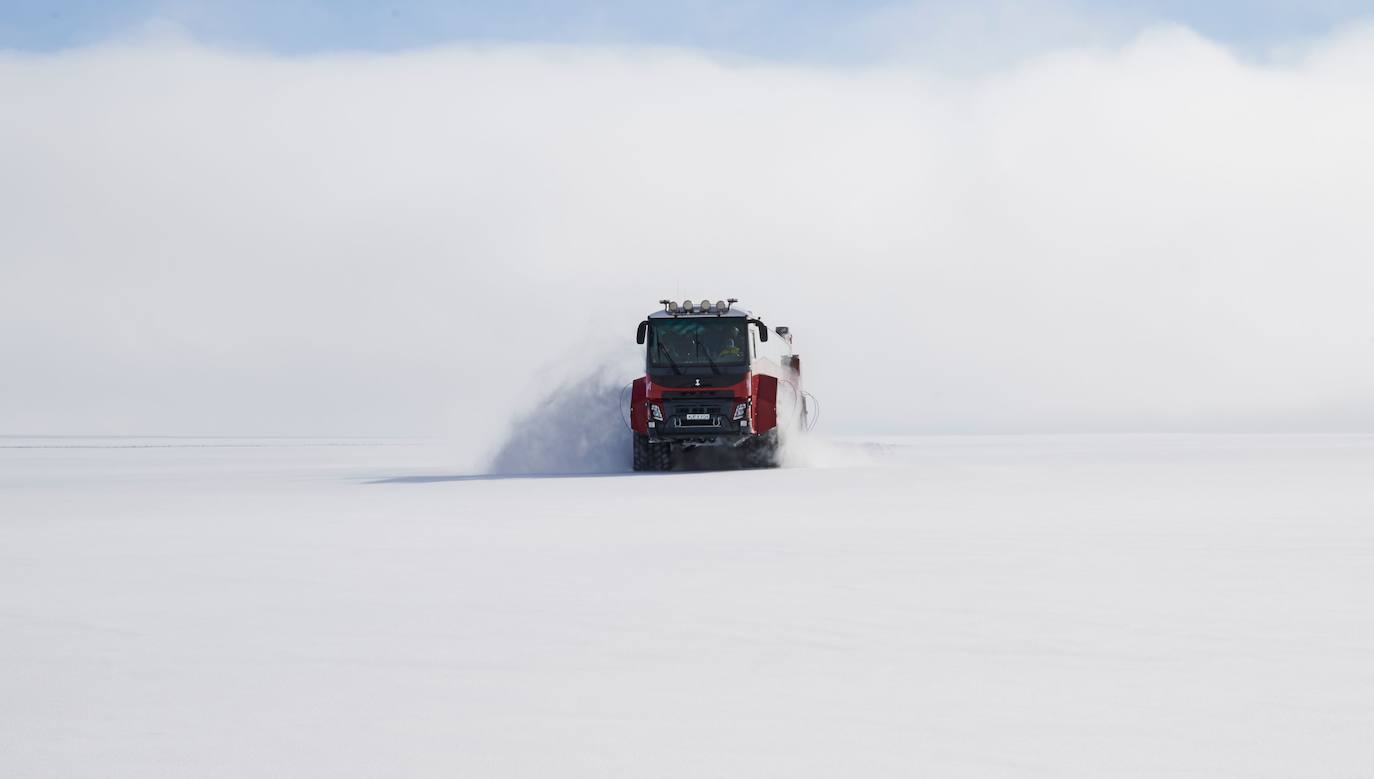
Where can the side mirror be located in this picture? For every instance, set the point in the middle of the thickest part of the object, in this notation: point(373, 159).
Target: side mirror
point(782, 330)
point(643, 329)
point(763, 329)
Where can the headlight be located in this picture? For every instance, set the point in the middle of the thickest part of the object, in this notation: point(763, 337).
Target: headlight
point(655, 412)
point(741, 410)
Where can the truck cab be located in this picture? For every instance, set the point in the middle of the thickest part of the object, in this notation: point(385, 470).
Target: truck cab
point(713, 374)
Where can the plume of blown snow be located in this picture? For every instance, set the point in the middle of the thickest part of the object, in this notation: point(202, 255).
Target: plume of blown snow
point(578, 426)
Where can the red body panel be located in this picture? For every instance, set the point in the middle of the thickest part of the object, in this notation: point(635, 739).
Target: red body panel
point(639, 407)
point(761, 388)
point(655, 392)
point(765, 403)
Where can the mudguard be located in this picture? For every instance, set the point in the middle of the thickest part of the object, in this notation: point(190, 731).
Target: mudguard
point(765, 392)
point(639, 406)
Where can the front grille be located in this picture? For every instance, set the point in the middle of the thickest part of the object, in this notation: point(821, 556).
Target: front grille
point(696, 413)
point(699, 395)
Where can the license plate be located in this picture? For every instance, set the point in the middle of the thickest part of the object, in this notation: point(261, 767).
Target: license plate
point(698, 417)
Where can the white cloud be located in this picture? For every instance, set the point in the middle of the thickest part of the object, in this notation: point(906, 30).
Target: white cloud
point(1156, 236)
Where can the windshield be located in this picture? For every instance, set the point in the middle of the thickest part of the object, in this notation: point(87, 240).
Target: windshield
point(698, 343)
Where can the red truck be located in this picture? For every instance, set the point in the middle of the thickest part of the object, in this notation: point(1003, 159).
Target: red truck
point(715, 378)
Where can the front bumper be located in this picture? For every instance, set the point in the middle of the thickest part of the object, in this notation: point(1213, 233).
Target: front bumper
point(700, 437)
point(699, 420)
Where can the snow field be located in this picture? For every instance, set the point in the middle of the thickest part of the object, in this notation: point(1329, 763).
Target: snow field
point(961, 606)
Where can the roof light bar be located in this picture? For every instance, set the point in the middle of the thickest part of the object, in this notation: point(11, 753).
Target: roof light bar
point(704, 307)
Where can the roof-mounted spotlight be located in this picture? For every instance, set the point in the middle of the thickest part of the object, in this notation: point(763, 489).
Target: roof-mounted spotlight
point(686, 306)
point(721, 308)
point(705, 306)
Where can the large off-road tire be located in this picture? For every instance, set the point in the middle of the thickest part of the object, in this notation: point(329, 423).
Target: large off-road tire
point(648, 456)
point(640, 453)
point(762, 451)
point(661, 455)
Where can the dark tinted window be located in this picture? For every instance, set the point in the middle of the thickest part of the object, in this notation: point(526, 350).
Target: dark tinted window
point(697, 342)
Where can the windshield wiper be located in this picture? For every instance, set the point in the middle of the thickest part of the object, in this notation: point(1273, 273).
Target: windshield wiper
point(671, 362)
point(707, 352)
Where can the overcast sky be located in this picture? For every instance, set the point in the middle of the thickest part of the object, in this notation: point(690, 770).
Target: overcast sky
point(1155, 233)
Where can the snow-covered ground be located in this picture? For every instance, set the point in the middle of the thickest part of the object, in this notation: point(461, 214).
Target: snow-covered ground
point(944, 606)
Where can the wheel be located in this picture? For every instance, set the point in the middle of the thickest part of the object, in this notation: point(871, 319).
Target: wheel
point(661, 455)
point(640, 458)
point(762, 451)
point(649, 456)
